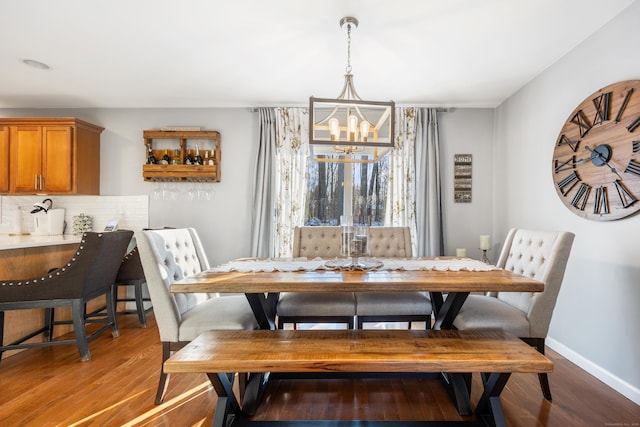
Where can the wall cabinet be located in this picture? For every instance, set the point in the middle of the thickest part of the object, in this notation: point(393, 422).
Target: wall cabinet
point(4, 159)
point(52, 156)
point(161, 142)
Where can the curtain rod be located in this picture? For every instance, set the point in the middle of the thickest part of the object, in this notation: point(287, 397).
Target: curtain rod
point(438, 109)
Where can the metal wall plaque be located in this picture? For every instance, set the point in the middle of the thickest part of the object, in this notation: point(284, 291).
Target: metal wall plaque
point(462, 178)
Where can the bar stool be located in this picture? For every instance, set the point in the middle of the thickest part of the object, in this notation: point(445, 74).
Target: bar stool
point(131, 274)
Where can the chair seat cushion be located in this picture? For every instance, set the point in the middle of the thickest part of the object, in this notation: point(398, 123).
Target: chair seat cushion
point(392, 304)
point(232, 312)
point(297, 304)
point(481, 311)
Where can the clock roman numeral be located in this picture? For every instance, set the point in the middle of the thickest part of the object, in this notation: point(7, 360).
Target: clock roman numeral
point(626, 198)
point(634, 125)
point(624, 105)
point(580, 199)
point(601, 103)
point(635, 146)
point(566, 165)
point(601, 204)
point(566, 141)
point(568, 183)
point(582, 122)
point(633, 167)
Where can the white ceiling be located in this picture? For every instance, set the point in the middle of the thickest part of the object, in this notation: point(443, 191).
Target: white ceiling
point(239, 53)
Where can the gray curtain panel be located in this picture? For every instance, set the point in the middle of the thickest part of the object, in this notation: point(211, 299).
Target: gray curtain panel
point(428, 185)
point(263, 188)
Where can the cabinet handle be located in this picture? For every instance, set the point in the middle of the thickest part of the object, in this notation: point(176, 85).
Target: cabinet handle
point(41, 182)
point(35, 182)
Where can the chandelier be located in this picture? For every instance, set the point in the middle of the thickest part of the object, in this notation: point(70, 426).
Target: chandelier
point(347, 128)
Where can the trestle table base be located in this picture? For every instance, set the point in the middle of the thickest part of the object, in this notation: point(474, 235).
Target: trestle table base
point(229, 414)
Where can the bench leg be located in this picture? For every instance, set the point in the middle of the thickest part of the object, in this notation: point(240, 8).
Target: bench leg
point(227, 405)
point(459, 388)
point(489, 409)
point(254, 391)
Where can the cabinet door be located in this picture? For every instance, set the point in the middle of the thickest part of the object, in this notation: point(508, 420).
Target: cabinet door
point(4, 159)
point(57, 158)
point(26, 158)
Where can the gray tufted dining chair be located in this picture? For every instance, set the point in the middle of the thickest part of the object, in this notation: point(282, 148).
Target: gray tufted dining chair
point(336, 307)
point(321, 307)
point(541, 255)
point(392, 242)
point(169, 255)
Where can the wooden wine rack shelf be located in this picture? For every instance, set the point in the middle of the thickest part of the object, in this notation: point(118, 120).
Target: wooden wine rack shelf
point(181, 172)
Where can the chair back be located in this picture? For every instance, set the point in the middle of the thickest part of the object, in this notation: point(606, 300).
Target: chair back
point(324, 241)
point(130, 268)
point(168, 255)
point(390, 242)
point(90, 272)
point(541, 255)
point(320, 241)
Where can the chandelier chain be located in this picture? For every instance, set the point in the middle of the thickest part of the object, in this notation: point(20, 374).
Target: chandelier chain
point(348, 49)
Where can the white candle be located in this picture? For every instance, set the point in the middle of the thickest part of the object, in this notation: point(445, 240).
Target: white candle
point(461, 252)
point(485, 242)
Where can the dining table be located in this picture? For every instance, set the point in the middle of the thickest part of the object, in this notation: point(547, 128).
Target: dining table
point(448, 280)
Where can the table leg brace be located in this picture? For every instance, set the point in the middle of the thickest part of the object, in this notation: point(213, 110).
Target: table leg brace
point(227, 405)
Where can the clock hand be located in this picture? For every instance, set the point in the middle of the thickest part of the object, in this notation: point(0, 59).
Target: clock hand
point(581, 161)
point(595, 154)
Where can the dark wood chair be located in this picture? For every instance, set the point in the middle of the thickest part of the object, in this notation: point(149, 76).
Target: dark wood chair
point(129, 275)
point(90, 273)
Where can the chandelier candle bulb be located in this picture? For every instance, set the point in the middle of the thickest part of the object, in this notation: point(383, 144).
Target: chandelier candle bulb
point(334, 129)
point(364, 130)
point(485, 242)
point(352, 126)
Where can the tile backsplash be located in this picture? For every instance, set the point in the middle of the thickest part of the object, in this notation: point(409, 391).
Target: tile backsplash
point(132, 212)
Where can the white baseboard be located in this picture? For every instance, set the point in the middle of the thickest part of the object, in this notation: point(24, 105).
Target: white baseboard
point(618, 384)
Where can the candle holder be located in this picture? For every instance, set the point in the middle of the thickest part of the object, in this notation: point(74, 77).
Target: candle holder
point(485, 258)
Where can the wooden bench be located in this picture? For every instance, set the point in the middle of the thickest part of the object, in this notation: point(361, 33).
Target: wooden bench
point(220, 353)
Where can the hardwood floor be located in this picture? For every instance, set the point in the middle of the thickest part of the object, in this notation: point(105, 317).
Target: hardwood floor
point(52, 387)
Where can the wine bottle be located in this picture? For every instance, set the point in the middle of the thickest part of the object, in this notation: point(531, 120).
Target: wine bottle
point(208, 160)
point(165, 158)
point(189, 159)
point(175, 160)
point(198, 159)
point(151, 159)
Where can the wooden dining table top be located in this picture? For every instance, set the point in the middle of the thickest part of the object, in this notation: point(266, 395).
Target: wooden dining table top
point(497, 280)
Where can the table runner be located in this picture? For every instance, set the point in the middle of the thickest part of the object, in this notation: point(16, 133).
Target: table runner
point(304, 264)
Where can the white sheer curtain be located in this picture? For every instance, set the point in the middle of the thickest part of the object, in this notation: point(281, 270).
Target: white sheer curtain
point(414, 192)
point(400, 210)
point(291, 157)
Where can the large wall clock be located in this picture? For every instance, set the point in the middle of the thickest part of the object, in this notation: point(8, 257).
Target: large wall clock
point(596, 159)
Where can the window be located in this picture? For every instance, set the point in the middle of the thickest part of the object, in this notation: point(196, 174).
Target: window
point(336, 188)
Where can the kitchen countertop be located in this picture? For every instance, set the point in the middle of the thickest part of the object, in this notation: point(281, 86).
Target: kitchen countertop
point(31, 241)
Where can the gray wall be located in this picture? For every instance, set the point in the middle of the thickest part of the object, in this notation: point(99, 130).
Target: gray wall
point(468, 131)
point(597, 321)
point(224, 221)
